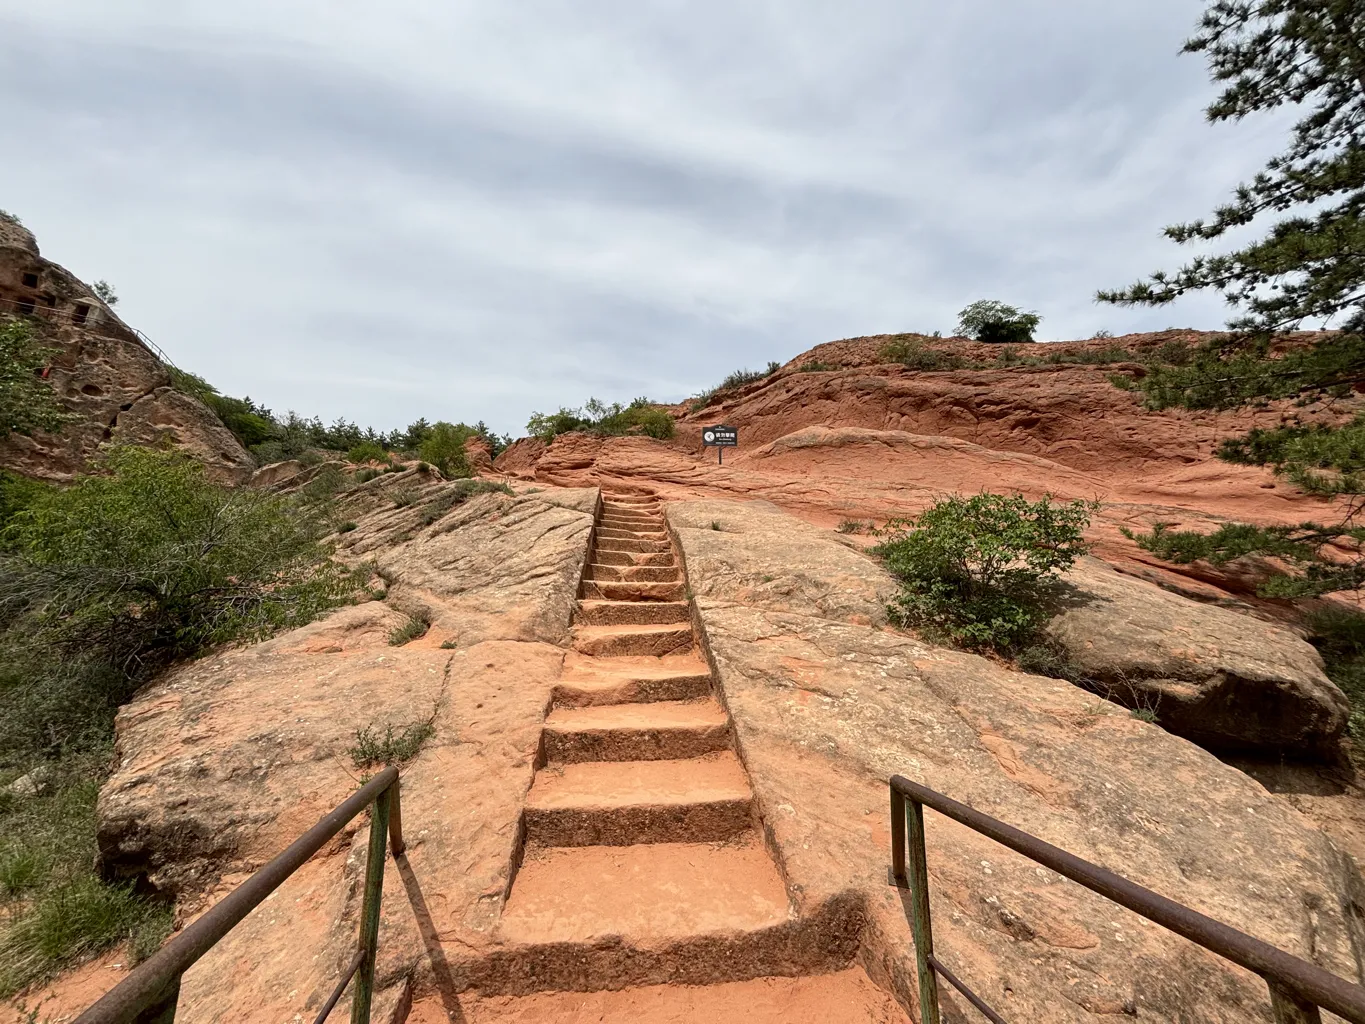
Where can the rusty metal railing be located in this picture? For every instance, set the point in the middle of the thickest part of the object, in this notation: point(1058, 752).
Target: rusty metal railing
point(1297, 988)
point(149, 994)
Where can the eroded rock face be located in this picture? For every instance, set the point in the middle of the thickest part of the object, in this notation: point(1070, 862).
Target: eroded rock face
point(1224, 680)
point(225, 761)
point(117, 389)
point(827, 707)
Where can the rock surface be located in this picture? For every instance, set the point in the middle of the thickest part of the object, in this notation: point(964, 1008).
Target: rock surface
point(115, 386)
point(827, 706)
point(225, 761)
point(1226, 681)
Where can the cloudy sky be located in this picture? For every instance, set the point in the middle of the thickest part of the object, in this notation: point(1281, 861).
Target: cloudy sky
point(472, 209)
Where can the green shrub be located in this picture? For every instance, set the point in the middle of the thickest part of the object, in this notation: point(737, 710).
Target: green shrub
point(373, 749)
point(402, 497)
point(367, 451)
point(1092, 357)
point(852, 526)
point(1339, 635)
point(975, 571)
point(914, 354)
point(597, 417)
point(27, 401)
point(815, 366)
point(416, 626)
point(997, 323)
point(149, 560)
point(366, 475)
point(444, 448)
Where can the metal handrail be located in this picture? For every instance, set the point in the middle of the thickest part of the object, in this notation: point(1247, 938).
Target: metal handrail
point(1297, 988)
point(149, 994)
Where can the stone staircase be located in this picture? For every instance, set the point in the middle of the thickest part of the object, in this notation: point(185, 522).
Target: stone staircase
point(641, 836)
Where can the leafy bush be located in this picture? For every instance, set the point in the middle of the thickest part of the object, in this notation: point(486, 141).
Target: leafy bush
point(367, 451)
point(640, 417)
point(149, 561)
point(853, 526)
point(416, 626)
point(911, 352)
point(997, 323)
point(371, 749)
point(364, 476)
point(1339, 635)
point(815, 366)
point(976, 570)
point(403, 496)
point(444, 448)
point(741, 377)
point(27, 401)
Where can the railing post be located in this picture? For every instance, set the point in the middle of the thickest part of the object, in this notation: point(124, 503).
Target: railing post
point(898, 839)
point(163, 1010)
point(1288, 1008)
point(396, 843)
point(919, 920)
point(375, 863)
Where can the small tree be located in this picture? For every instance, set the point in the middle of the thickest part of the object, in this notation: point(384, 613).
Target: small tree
point(105, 291)
point(997, 323)
point(367, 451)
point(976, 570)
point(27, 401)
point(444, 449)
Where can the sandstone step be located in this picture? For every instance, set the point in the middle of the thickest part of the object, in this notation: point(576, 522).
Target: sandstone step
point(587, 681)
point(655, 640)
point(660, 731)
point(660, 558)
point(838, 997)
point(616, 803)
point(604, 531)
point(605, 572)
point(630, 499)
point(637, 613)
point(631, 544)
point(643, 894)
point(629, 590)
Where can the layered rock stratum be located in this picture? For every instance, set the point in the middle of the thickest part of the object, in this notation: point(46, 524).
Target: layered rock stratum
point(110, 381)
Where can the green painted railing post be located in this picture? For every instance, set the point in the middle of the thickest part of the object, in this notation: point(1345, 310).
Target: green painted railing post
point(919, 921)
point(369, 908)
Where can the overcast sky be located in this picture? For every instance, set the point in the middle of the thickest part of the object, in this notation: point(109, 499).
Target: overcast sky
point(472, 210)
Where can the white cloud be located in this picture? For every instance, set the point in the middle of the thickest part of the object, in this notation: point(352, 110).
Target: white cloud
point(472, 210)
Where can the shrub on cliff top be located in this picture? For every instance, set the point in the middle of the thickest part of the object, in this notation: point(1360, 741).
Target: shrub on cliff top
point(597, 417)
point(444, 449)
point(997, 323)
point(976, 570)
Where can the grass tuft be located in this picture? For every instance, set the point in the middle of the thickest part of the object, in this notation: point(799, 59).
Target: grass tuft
point(416, 626)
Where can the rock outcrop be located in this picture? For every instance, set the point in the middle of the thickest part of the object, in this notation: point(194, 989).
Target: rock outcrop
point(1229, 682)
point(828, 706)
point(114, 385)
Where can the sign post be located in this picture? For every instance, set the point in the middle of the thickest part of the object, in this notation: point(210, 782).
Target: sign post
point(720, 438)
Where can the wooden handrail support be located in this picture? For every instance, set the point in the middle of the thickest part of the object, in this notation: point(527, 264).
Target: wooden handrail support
point(1297, 988)
point(149, 994)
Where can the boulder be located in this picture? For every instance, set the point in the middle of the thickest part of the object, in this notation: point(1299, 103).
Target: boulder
point(1227, 681)
point(827, 704)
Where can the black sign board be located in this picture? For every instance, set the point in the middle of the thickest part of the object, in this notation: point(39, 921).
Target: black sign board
point(720, 437)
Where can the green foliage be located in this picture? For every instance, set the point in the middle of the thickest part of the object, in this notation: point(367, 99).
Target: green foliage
point(373, 749)
point(976, 570)
point(815, 366)
point(347, 526)
point(1305, 54)
point(640, 417)
point(105, 291)
point(250, 423)
point(997, 323)
point(364, 476)
point(111, 578)
point(734, 380)
point(27, 401)
point(911, 352)
point(367, 451)
point(444, 448)
point(853, 526)
point(403, 496)
point(1339, 635)
point(416, 626)
point(54, 908)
